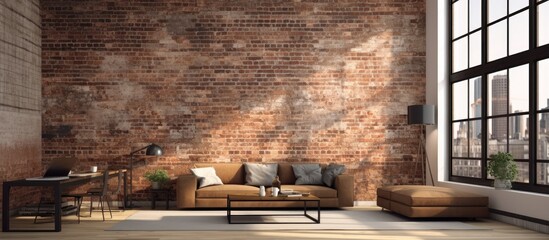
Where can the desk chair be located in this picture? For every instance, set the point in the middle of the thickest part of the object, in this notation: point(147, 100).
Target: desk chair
point(102, 193)
point(116, 192)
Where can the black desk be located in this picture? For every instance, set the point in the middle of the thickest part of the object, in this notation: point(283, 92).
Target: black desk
point(58, 187)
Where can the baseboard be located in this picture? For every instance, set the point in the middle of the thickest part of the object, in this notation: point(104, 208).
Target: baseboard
point(365, 203)
point(534, 224)
point(520, 221)
point(160, 205)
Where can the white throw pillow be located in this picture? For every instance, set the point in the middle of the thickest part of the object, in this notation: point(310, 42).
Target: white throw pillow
point(258, 174)
point(206, 177)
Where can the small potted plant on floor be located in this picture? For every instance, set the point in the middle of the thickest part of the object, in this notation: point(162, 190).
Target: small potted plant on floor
point(503, 168)
point(157, 177)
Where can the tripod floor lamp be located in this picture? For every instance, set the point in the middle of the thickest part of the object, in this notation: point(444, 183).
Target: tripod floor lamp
point(151, 150)
point(422, 115)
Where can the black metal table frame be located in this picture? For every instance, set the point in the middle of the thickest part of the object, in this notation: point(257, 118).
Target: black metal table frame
point(305, 214)
point(58, 187)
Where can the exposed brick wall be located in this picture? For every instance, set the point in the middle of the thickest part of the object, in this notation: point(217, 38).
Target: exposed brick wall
point(234, 81)
point(20, 96)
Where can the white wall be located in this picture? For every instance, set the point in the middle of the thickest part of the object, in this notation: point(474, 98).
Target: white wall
point(523, 203)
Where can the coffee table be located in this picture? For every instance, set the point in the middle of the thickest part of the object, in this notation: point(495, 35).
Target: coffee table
point(257, 198)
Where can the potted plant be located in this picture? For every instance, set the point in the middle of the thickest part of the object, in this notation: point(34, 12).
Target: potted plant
point(503, 168)
point(157, 177)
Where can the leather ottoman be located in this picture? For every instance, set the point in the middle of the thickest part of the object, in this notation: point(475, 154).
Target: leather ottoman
point(417, 201)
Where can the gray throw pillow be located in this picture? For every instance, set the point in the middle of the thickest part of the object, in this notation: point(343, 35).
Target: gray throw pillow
point(259, 174)
point(206, 177)
point(307, 174)
point(331, 172)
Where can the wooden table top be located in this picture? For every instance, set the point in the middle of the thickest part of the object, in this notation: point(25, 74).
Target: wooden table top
point(256, 197)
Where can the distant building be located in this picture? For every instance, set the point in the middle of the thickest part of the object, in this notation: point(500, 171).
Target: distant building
point(476, 107)
point(499, 106)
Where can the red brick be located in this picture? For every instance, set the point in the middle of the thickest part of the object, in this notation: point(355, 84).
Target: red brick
point(210, 81)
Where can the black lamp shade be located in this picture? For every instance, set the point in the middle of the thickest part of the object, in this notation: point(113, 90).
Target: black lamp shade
point(421, 114)
point(154, 150)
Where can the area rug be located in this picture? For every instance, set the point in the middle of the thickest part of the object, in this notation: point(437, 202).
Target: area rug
point(330, 220)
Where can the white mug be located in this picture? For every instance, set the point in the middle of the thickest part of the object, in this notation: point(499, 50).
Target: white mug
point(262, 191)
point(93, 169)
point(275, 191)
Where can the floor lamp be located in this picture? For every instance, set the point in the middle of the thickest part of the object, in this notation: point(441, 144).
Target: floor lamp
point(152, 150)
point(422, 115)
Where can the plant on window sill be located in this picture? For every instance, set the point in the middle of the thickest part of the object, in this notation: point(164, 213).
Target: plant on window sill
point(503, 168)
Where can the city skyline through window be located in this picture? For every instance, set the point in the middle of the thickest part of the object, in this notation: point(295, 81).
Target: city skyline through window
point(500, 89)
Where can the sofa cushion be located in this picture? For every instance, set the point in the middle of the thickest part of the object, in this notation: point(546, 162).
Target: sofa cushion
point(221, 191)
point(385, 192)
point(307, 174)
point(286, 172)
point(229, 173)
point(319, 191)
point(430, 196)
point(259, 174)
point(438, 197)
point(206, 177)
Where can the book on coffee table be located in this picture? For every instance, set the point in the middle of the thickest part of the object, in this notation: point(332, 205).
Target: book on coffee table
point(290, 194)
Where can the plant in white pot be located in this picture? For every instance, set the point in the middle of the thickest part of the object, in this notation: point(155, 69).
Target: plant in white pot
point(503, 168)
point(157, 177)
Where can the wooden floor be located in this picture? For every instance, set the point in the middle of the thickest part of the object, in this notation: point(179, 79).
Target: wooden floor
point(93, 229)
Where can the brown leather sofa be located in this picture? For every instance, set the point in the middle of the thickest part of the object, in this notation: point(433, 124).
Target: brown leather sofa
point(416, 201)
point(233, 178)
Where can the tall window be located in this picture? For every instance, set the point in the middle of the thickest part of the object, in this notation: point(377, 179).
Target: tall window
point(499, 85)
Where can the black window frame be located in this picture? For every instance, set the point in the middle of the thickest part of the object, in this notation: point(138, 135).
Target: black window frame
point(532, 56)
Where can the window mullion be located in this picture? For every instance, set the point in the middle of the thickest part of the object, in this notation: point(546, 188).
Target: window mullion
point(468, 35)
point(508, 100)
point(533, 25)
point(468, 119)
point(484, 123)
point(533, 132)
point(484, 56)
point(518, 59)
point(508, 42)
point(484, 35)
point(450, 91)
